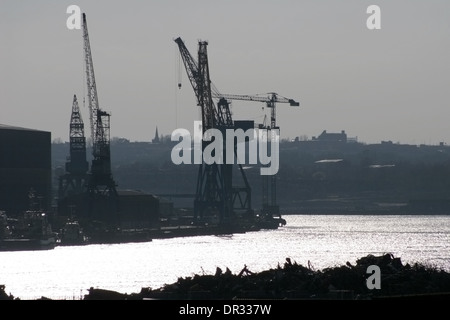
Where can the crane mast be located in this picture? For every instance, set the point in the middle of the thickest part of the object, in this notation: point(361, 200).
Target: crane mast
point(78, 164)
point(74, 181)
point(214, 192)
point(90, 80)
point(101, 183)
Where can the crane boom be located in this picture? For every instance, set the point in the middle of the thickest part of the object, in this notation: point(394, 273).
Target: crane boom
point(101, 183)
point(270, 100)
point(204, 89)
point(273, 97)
point(191, 66)
point(90, 79)
point(198, 74)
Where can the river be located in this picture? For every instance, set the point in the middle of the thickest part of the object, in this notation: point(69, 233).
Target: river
point(67, 272)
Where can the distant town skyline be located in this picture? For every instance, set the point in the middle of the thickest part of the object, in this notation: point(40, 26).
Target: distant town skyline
point(378, 85)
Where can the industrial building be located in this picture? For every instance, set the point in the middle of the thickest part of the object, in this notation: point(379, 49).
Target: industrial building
point(331, 137)
point(25, 169)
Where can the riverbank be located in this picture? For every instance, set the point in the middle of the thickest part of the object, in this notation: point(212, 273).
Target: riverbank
point(294, 281)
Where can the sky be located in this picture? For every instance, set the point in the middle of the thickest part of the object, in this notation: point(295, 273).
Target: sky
point(389, 84)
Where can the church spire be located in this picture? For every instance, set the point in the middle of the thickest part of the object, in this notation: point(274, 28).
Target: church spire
point(156, 138)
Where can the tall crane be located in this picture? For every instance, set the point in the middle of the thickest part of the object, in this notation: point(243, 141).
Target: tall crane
point(101, 185)
point(269, 192)
point(215, 192)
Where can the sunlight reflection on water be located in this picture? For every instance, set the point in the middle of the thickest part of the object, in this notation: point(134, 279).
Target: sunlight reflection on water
point(324, 240)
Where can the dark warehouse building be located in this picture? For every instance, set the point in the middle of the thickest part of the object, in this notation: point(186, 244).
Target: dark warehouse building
point(25, 168)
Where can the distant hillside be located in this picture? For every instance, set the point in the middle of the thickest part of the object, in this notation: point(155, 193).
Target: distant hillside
point(314, 176)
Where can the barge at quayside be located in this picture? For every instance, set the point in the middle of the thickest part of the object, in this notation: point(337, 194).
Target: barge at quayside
point(95, 232)
point(172, 229)
point(30, 231)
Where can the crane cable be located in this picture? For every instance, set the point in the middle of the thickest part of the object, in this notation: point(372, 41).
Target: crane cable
point(179, 70)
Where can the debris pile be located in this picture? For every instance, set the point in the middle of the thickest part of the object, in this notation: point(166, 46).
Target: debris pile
point(4, 295)
point(294, 281)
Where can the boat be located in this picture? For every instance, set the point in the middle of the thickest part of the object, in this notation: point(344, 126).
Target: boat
point(31, 231)
point(72, 234)
point(267, 221)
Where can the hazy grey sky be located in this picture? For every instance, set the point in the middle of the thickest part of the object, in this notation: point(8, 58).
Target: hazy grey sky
point(388, 84)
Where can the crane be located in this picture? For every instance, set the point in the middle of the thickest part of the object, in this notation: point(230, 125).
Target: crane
point(101, 185)
point(214, 191)
point(271, 100)
point(74, 181)
point(270, 206)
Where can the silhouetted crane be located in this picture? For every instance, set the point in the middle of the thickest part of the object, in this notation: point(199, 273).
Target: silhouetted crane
point(215, 192)
point(101, 185)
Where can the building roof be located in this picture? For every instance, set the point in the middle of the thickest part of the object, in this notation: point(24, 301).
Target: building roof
point(8, 127)
point(331, 137)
